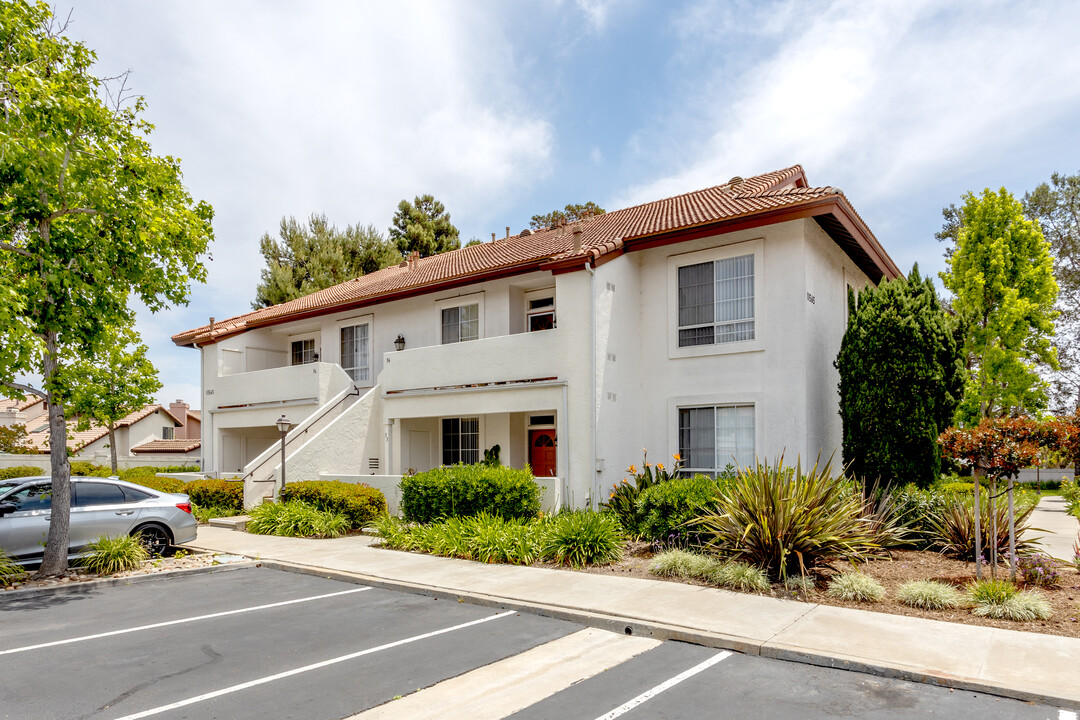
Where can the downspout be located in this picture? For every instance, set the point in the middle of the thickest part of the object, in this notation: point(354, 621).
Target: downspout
point(594, 492)
point(564, 492)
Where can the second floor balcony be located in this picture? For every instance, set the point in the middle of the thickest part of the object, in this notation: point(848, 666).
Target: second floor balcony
point(313, 383)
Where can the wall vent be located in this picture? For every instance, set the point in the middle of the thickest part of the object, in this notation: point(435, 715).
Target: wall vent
point(373, 463)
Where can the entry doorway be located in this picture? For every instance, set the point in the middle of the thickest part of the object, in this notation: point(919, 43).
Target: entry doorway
point(542, 453)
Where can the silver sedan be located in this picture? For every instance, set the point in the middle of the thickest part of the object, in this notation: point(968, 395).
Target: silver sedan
point(99, 506)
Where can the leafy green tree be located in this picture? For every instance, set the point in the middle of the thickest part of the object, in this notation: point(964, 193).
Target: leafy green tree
point(13, 439)
point(901, 377)
point(89, 217)
point(423, 226)
point(1002, 279)
point(1056, 207)
point(108, 386)
point(303, 259)
point(568, 214)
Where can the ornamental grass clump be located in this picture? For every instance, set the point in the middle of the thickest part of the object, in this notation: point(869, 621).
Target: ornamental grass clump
point(952, 529)
point(583, 537)
point(929, 595)
point(9, 569)
point(739, 576)
point(296, 519)
point(802, 584)
point(1001, 600)
point(787, 521)
point(680, 564)
point(855, 587)
point(109, 555)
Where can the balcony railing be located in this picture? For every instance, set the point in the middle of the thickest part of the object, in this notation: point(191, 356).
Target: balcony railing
point(314, 383)
point(503, 359)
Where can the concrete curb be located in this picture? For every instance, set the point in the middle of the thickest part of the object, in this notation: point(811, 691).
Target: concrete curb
point(647, 628)
point(90, 585)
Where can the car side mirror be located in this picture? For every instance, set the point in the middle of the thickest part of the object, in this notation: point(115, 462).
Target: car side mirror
point(8, 507)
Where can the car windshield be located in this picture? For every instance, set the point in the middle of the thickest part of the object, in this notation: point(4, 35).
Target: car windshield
point(7, 485)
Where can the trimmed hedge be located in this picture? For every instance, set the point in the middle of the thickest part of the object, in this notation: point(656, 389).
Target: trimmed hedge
point(143, 470)
point(663, 508)
point(20, 471)
point(213, 492)
point(467, 490)
point(84, 468)
point(360, 503)
point(169, 485)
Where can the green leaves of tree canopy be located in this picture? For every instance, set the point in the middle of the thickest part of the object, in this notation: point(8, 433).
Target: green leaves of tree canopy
point(901, 377)
point(424, 226)
point(88, 217)
point(304, 259)
point(118, 380)
point(568, 214)
point(1002, 277)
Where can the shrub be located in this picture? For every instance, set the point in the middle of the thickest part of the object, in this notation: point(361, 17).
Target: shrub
point(1070, 490)
point(208, 513)
point(360, 503)
point(296, 519)
point(784, 520)
point(958, 488)
point(855, 587)
point(85, 468)
point(582, 537)
point(624, 496)
point(952, 529)
point(144, 470)
point(108, 555)
point(168, 485)
point(9, 569)
point(680, 564)
point(738, 576)
point(1038, 570)
point(1001, 600)
point(20, 471)
point(929, 595)
point(664, 510)
point(221, 493)
point(465, 490)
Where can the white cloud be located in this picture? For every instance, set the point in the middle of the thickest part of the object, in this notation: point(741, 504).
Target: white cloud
point(879, 95)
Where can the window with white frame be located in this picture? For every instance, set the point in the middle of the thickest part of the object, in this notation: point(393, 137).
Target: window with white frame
point(713, 437)
point(541, 314)
point(303, 351)
point(356, 352)
point(716, 301)
point(461, 440)
point(460, 323)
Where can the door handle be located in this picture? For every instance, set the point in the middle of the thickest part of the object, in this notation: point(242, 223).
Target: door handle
point(47, 517)
point(124, 512)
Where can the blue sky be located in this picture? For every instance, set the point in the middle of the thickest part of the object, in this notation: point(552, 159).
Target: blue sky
point(504, 110)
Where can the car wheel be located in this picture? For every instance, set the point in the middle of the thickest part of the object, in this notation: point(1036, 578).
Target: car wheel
point(154, 537)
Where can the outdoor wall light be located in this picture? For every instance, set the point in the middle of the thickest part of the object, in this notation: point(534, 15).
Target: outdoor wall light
point(400, 342)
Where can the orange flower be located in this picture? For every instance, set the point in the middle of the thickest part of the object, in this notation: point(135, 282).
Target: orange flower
point(659, 466)
point(624, 480)
point(611, 496)
point(632, 469)
point(678, 457)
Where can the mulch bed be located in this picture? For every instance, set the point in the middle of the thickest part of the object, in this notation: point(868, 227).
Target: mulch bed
point(153, 566)
point(904, 565)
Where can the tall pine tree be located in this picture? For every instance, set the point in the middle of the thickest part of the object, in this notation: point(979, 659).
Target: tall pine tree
point(901, 377)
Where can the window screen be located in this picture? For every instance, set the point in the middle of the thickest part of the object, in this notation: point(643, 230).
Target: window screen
point(711, 438)
point(303, 351)
point(716, 301)
point(461, 440)
point(460, 323)
point(355, 354)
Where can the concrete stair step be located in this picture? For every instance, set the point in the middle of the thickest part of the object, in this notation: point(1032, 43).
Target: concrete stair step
point(237, 522)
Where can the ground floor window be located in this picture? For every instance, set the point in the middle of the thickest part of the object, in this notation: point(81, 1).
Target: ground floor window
point(713, 437)
point(461, 440)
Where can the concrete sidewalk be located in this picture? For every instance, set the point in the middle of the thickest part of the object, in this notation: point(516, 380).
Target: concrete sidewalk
point(1027, 666)
point(1060, 529)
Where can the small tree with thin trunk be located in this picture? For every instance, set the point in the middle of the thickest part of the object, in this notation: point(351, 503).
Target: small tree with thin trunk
point(113, 384)
point(89, 217)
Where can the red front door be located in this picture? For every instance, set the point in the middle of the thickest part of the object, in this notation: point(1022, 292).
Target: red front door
point(542, 452)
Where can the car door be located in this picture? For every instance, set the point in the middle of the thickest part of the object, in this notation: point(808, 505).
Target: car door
point(23, 531)
point(99, 508)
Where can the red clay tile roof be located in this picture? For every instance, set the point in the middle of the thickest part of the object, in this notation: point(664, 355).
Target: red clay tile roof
point(19, 405)
point(167, 446)
point(554, 247)
point(78, 439)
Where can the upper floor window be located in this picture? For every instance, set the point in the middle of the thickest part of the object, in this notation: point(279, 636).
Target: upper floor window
point(167, 433)
point(460, 323)
point(355, 352)
point(303, 351)
point(716, 301)
point(711, 438)
point(541, 314)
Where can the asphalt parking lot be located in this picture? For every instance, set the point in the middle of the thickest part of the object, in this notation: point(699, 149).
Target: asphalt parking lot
point(260, 643)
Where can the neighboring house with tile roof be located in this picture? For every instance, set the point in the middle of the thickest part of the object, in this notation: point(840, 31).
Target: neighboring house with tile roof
point(21, 412)
point(704, 324)
point(154, 432)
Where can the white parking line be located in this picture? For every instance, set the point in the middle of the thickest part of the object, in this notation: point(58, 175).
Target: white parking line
point(648, 694)
point(1066, 715)
point(181, 621)
point(307, 668)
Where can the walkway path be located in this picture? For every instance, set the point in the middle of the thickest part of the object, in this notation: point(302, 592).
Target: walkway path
point(1028, 666)
point(1060, 529)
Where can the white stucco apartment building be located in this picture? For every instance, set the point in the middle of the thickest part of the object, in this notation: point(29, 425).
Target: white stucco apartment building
point(704, 324)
